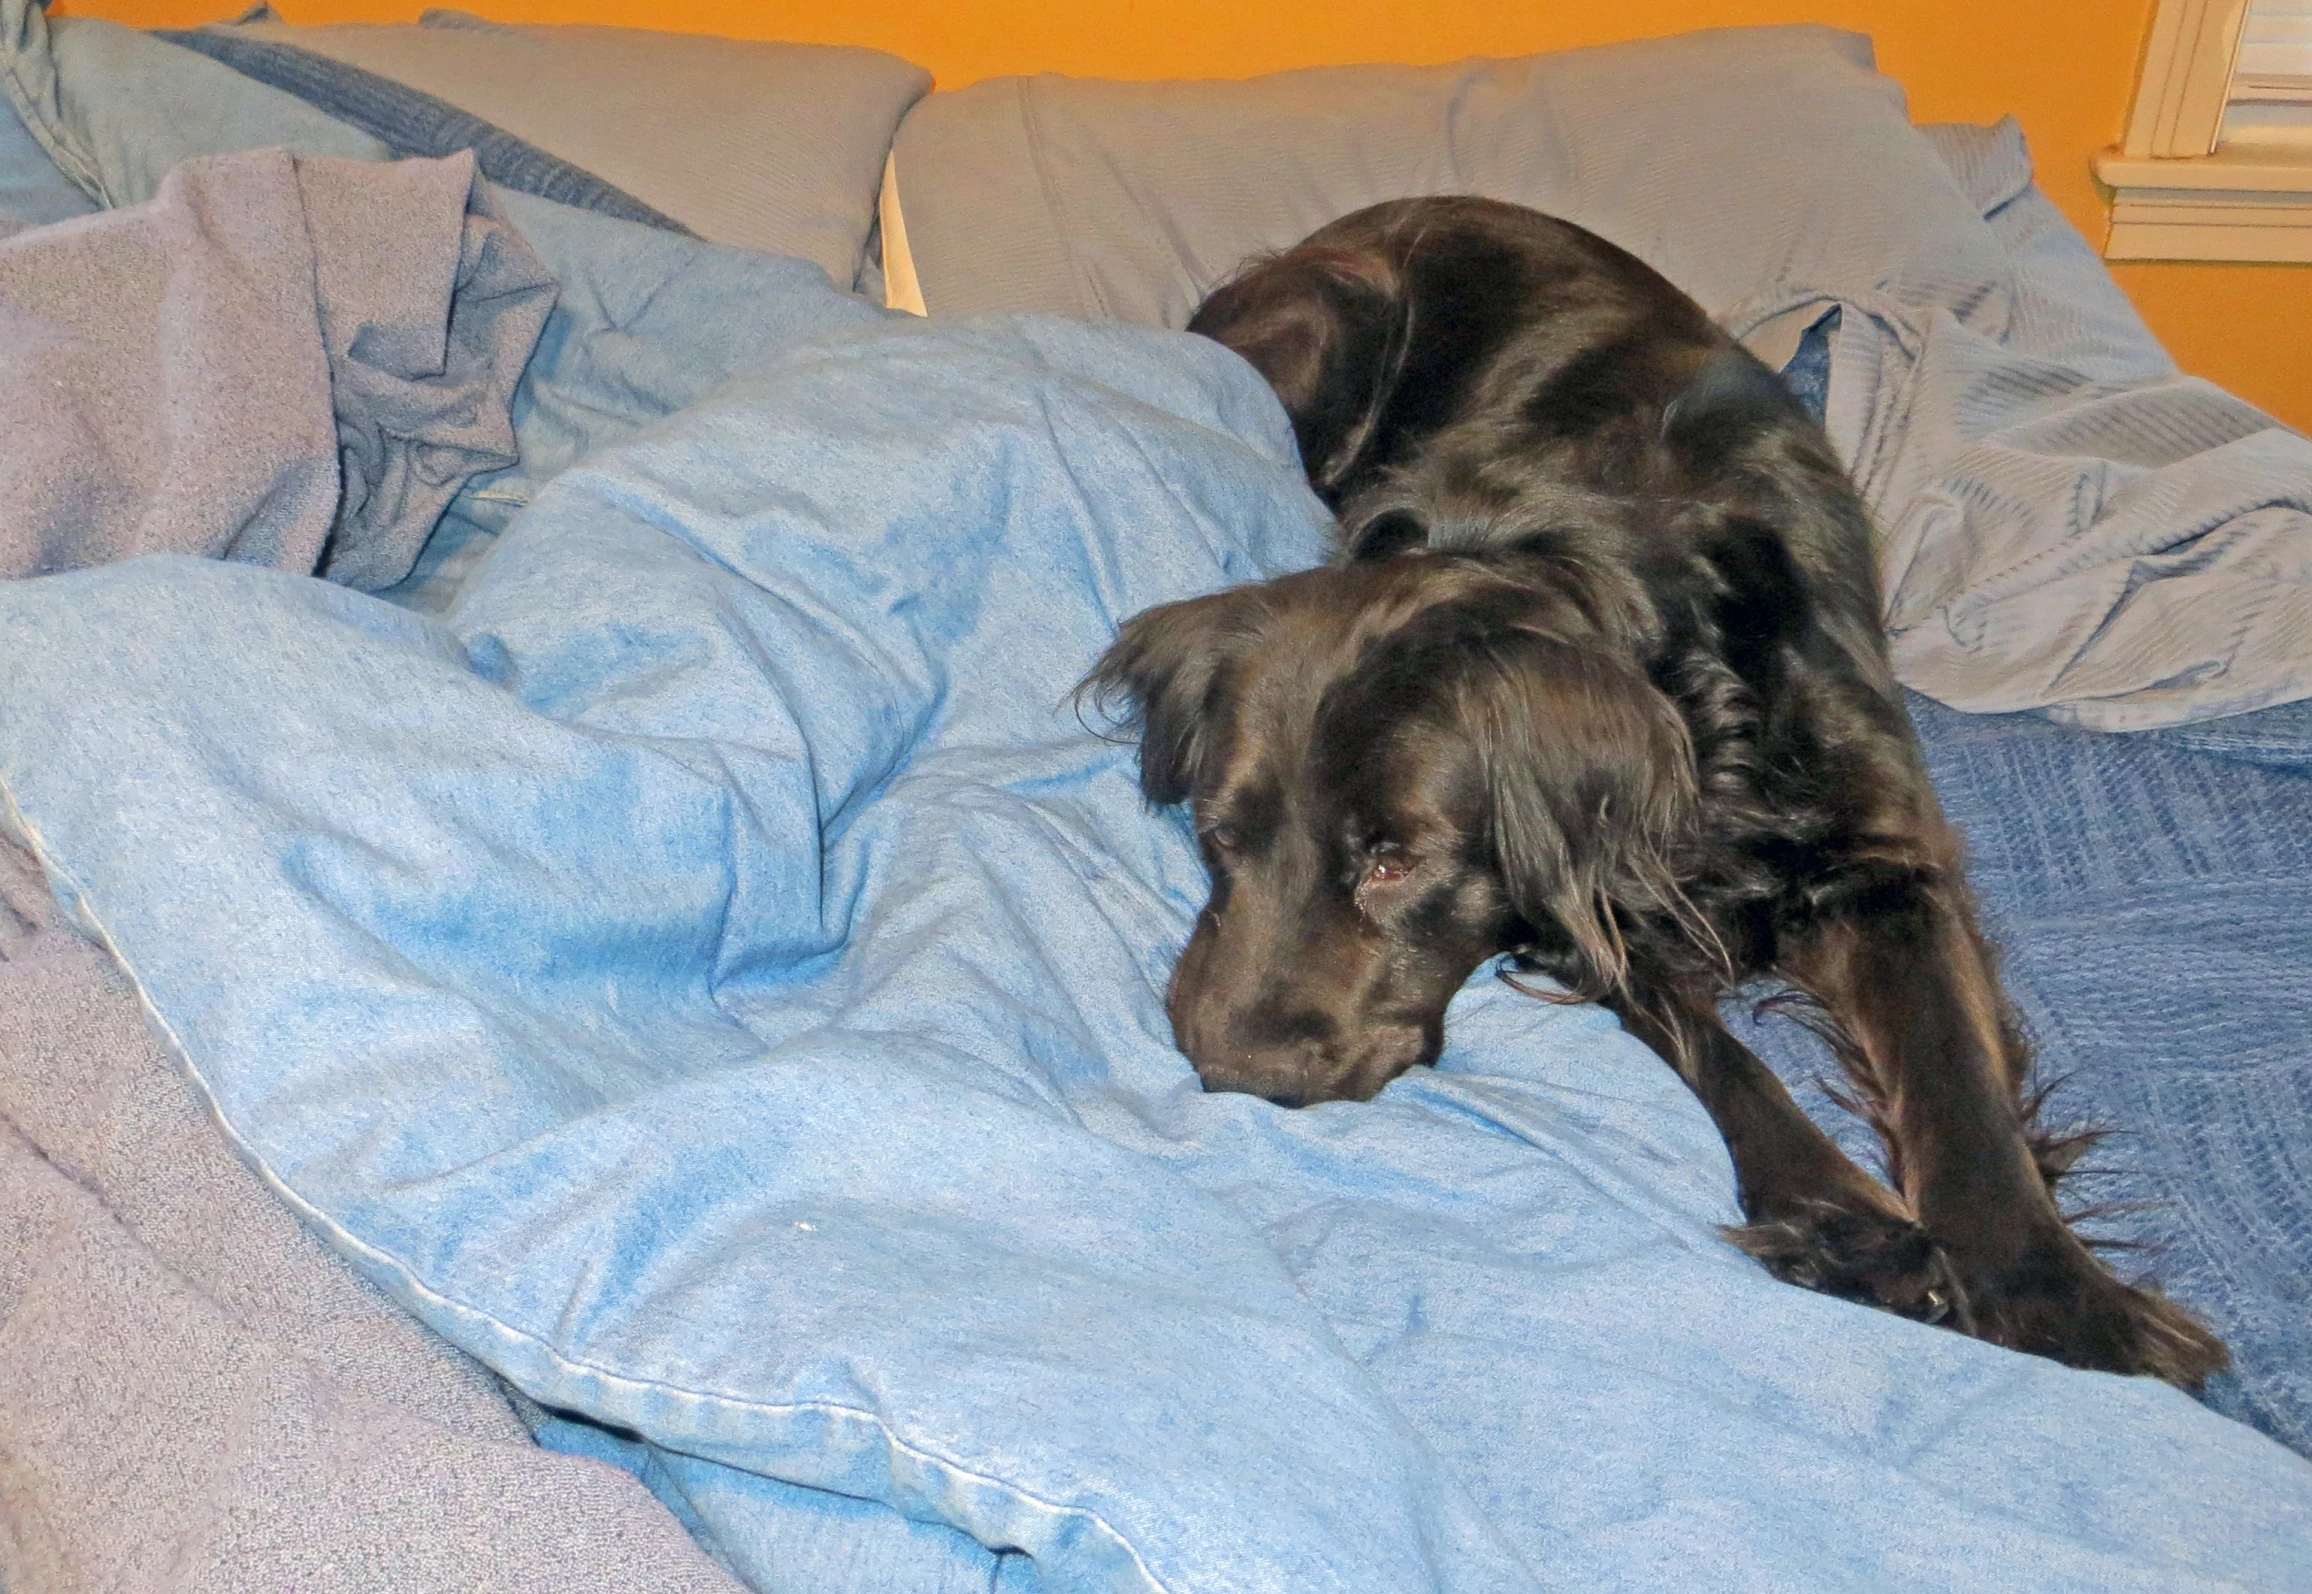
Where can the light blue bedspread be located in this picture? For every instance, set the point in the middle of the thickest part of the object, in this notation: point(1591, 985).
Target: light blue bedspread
point(712, 976)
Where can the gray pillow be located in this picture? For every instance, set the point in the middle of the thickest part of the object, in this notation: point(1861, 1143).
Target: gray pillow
point(1738, 162)
point(777, 147)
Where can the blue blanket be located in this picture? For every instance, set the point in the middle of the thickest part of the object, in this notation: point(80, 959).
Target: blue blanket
point(712, 976)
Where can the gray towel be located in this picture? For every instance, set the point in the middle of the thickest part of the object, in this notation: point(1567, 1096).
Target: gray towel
point(289, 361)
point(196, 1394)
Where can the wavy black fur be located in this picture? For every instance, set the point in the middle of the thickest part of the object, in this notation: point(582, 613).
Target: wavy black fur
point(1600, 681)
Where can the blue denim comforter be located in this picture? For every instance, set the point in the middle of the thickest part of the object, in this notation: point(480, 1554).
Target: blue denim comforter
point(712, 976)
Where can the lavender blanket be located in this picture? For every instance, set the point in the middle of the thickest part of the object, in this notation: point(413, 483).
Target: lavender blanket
point(288, 361)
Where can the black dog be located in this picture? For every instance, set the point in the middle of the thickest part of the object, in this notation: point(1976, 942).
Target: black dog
point(1600, 682)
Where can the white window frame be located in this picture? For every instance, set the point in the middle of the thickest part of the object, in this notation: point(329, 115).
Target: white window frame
point(2175, 194)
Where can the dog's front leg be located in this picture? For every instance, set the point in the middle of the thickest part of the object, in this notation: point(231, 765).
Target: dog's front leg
point(1815, 1218)
point(1906, 978)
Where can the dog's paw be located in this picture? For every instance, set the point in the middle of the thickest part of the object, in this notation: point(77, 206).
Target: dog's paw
point(2055, 1300)
point(1870, 1255)
point(2059, 1301)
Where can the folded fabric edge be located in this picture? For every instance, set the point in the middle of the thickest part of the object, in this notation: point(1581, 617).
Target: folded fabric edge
point(28, 77)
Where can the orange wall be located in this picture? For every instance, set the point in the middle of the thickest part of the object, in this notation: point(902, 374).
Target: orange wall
point(2065, 68)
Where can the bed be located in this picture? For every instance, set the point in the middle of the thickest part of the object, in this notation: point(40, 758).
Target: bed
point(615, 1033)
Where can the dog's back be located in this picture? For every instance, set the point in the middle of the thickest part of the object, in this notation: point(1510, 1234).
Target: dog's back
point(1464, 375)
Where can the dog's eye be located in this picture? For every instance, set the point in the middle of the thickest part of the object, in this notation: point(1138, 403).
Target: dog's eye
point(1388, 867)
point(1222, 838)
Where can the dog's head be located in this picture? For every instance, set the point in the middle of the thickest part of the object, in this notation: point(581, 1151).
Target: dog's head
point(1398, 769)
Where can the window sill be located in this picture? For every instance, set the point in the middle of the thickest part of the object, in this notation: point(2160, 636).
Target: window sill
point(2245, 202)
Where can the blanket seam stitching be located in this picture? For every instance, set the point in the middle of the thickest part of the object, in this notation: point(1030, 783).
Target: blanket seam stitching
point(86, 912)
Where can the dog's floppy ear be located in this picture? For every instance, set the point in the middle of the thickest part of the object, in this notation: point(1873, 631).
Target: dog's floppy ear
point(1158, 677)
point(1590, 774)
point(1327, 327)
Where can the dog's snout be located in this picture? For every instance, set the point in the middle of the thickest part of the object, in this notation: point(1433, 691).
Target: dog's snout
point(1297, 1058)
point(1287, 989)
point(1274, 1024)
point(1261, 1050)
point(1289, 1079)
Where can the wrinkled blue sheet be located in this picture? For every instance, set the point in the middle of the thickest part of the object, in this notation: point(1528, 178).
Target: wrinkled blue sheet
point(712, 976)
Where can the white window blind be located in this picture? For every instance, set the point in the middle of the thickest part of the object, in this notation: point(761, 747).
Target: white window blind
point(2271, 95)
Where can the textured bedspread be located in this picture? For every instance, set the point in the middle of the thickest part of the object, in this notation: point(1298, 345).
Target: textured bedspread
point(2149, 891)
point(196, 1393)
point(713, 978)
point(293, 362)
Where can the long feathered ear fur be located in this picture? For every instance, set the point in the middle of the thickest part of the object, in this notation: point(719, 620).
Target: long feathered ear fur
point(1591, 779)
point(1157, 678)
point(1328, 328)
